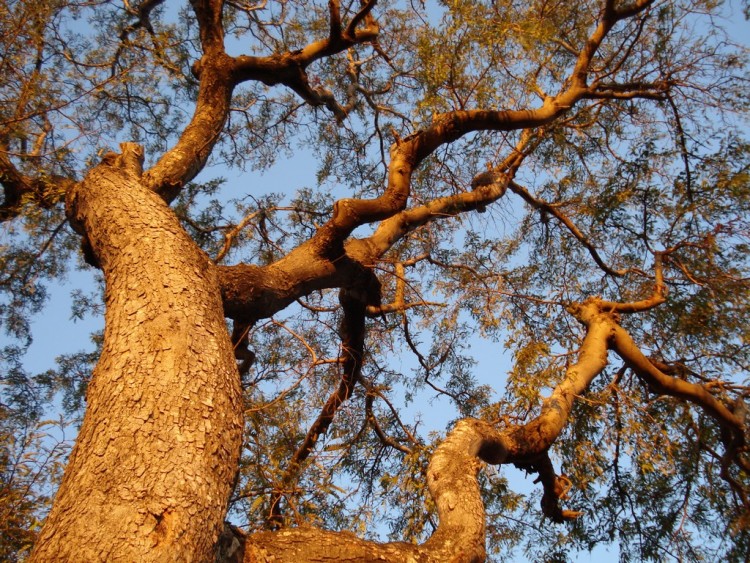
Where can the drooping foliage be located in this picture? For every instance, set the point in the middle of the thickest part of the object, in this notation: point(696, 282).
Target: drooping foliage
point(637, 176)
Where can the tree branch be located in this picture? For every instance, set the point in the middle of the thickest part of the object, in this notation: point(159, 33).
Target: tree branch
point(352, 332)
point(452, 482)
point(219, 74)
point(408, 153)
point(45, 191)
point(565, 220)
point(626, 348)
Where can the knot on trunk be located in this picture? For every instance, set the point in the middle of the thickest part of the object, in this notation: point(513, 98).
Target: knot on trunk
point(130, 160)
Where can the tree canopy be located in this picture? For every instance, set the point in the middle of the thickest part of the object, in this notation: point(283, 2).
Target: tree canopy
point(564, 184)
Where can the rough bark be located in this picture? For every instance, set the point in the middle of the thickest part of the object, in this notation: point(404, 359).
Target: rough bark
point(151, 473)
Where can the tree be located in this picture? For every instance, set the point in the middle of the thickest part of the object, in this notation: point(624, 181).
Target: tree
point(567, 179)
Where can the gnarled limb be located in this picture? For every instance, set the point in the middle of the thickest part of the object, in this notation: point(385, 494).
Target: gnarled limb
point(219, 74)
point(526, 443)
point(408, 153)
point(452, 478)
point(352, 332)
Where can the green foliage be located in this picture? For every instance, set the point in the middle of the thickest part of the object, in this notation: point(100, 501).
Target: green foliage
point(32, 458)
point(635, 176)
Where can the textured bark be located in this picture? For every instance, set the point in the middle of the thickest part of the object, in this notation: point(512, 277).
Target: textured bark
point(527, 442)
point(153, 466)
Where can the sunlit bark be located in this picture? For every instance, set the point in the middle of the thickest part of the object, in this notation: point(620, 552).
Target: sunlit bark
point(160, 440)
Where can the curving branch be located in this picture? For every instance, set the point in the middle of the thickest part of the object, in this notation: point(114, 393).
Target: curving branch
point(372, 420)
point(251, 293)
point(554, 210)
point(658, 296)
point(219, 74)
point(408, 153)
point(527, 443)
point(352, 332)
point(660, 382)
point(556, 489)
point(452, 471)
point(452, 482)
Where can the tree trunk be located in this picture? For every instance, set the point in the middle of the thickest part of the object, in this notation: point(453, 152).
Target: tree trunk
point(152, 469)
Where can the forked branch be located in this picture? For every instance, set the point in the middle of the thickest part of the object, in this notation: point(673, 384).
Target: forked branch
point(219, 74)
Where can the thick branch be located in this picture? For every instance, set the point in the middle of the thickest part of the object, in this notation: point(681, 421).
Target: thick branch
point(210, 26)
point(252, 292)
point(45, 191)
point(662, 383)
point(452, 481)
point(219, 74)
point(187, 158)
point(526, 443)
point(408, 153)
point(352, 332)
point(454, 465)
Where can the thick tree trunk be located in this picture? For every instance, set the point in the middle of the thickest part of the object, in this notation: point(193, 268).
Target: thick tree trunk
point(154, 463)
